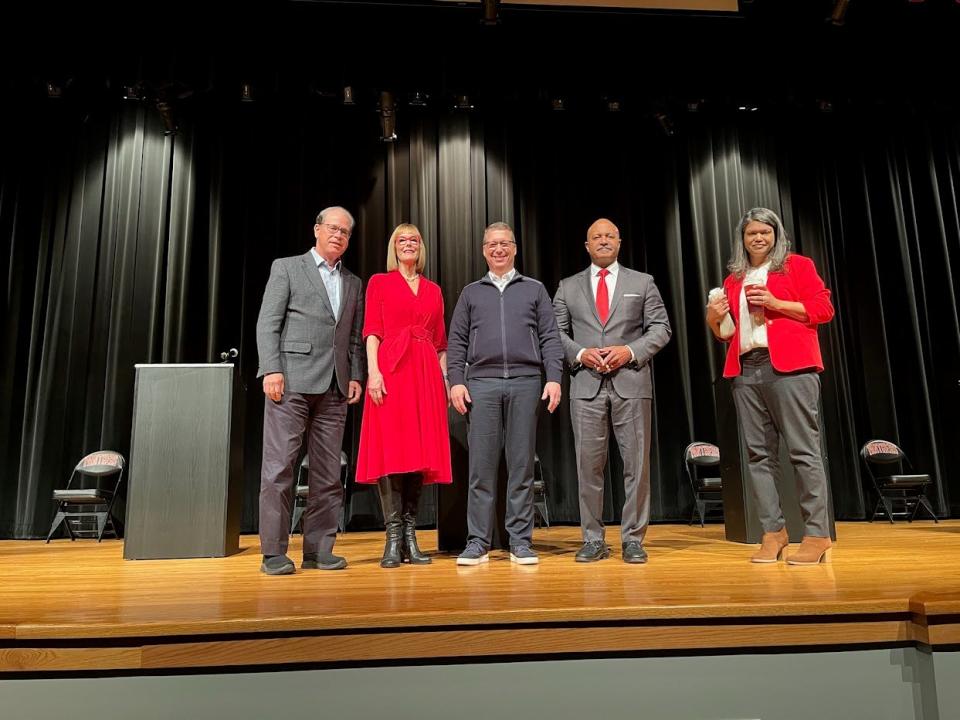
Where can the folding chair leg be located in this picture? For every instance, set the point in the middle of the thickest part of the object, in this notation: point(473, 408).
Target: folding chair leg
point(922, 500)
point(916, 506)
point(295, 516)
point(701, 507)
point(101, 525)
point(56, 524)
point(888, 508)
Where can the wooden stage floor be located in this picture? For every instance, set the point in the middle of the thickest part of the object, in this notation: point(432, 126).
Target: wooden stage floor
point(75, 607)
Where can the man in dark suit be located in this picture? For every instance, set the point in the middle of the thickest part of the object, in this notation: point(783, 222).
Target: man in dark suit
point(612, 322)
point(311, 361)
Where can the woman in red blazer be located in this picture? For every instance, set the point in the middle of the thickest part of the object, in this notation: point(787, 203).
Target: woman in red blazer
point(777, 300)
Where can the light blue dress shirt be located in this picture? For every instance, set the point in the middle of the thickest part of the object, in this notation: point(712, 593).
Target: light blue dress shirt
point(331, 280)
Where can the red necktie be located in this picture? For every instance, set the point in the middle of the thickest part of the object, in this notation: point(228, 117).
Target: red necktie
point(603, 301)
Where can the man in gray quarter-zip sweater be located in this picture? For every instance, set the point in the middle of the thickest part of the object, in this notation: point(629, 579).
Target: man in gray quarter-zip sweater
point(503, 337)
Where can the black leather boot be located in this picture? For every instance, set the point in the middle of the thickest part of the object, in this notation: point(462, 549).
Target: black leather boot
point(390, 502)
point(409, 550)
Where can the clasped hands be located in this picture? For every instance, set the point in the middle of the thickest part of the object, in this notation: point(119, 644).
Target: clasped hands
point(606, 359)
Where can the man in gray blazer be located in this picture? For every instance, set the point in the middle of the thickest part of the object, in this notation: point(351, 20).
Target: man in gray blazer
point(311, 361)
point(612, 322)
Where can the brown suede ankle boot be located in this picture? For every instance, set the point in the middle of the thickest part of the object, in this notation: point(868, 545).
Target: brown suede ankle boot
point(813, 550)
point(773, 547)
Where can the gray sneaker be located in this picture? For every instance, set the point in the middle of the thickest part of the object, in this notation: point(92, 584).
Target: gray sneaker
point(523, 555)
point(473, 554)
point(323, 561)
point(277, 565)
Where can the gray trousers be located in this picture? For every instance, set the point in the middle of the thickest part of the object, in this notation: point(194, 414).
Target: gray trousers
point(631, 420)
point(284, 423)
point(771, 405)
point(503, 416)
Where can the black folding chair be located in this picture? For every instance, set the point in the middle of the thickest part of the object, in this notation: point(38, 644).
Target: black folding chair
point(85, 505)
point(906, 492)
point(703, 457)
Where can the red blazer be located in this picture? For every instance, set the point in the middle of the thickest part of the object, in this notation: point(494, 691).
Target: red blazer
point(793, 344)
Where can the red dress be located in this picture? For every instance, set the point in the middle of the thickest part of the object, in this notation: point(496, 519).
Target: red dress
point(408, 432)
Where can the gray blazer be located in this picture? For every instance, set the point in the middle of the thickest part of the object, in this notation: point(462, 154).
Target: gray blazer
point(297, 333)
point(637, 319)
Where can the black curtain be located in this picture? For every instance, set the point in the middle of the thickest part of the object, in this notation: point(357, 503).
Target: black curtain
point(122, 245)
point(129, 236)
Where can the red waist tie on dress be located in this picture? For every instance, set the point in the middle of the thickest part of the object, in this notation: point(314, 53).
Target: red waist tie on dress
point(394, 348)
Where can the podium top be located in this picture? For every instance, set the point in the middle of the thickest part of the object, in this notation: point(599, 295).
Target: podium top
point(183, 365)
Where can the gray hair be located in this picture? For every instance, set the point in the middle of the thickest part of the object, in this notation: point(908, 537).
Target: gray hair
point(336, 208)
point(740, 260)
point(494, 227)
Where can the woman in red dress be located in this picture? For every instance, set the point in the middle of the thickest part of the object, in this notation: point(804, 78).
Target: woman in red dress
point(404, 441)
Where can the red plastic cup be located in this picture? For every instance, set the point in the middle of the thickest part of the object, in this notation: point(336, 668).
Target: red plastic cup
point(753, 308)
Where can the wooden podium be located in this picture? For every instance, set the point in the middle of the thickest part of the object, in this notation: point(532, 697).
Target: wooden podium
point(739, 507)
point(185, 472)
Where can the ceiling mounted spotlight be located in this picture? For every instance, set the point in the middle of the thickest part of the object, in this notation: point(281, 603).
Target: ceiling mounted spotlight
point(558, 104)
point(165, 109)
point(388, 117)
point(418, 99)
point(462, 102)
point(839, 15)
point(348, 95)
point(666, 124)
point(246, 92)
point(133, 93)
point(54, 90)
point(491, 12)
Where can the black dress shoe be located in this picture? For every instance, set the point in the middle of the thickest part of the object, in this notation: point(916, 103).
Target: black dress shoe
point(633, 552)
point(323, 561)
point(592, 551)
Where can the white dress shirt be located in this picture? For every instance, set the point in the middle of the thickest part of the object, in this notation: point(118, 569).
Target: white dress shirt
point(501, 281)
point(753, 333)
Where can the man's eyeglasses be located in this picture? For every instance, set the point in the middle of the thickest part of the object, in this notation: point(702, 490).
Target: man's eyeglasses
point(334, 229)
point(501, 244)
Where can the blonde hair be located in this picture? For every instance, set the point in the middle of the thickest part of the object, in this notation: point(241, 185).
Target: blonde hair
point(405, 229)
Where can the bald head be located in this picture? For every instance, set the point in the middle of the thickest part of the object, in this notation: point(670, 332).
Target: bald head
point(603, 243)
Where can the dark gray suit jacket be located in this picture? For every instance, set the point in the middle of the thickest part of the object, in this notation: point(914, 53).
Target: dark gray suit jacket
point(637, 319)
point(297, 333)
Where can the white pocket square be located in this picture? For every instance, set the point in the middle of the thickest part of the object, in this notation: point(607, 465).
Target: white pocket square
point(632, 295)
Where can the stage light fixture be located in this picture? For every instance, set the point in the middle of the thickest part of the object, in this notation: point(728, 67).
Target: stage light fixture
point(839, 15)
point(167, 116)
point(824, 105)
point(462, 102)
point(348, 95)
point(388, 117)
point(558, 104)
point(666, 124)
point(133, 93)
point(613, 105)
point(246, 92)
point(418, 99)
point(491, 12)
point(54, 90)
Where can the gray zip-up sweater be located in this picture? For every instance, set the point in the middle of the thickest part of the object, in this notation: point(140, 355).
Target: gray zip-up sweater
point(504, 335)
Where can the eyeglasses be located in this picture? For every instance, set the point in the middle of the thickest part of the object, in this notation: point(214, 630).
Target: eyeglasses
point(501, 244)
point(334, 229)
point(413, 240)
